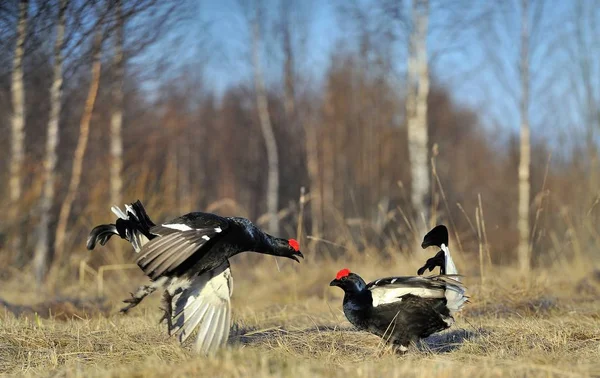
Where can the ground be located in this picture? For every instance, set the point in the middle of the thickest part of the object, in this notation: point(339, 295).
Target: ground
point(288, 323)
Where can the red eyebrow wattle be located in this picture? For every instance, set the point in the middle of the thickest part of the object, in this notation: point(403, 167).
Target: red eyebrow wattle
point(342, 273)
point(294, 244)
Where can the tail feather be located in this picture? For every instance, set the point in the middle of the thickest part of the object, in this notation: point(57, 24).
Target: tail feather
point(450, 268)
point(118, 212)
point(455, 299)
point(455, 294)
point(438, 237)
point(438, 260)
point(133, 225)
point(101, 234)
point(141, 214)
point(455, 291)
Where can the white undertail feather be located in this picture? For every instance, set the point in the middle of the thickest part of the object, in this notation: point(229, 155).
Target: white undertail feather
point(118, 212)
point(450, 267)
point(138, 239)
point(129, 209)
point(202, 302)
point(455, 292)
point(205, 305)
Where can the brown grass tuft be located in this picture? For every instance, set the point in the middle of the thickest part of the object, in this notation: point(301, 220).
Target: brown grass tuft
point(289, 323)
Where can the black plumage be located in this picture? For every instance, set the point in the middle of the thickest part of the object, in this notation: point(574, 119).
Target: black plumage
point(404, 309)
point(436, 261)
point(437, 237)
point(188, 257)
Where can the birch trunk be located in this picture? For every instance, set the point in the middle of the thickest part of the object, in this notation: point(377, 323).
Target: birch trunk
point(416, 109)
point(288, 69)
point(329, 173)
point(18, 132)
point(267, 131)
point(312, 165)
point(524, 250)
point(116, 119)
point(40, 260)
point(590, 105)
point(84, 131)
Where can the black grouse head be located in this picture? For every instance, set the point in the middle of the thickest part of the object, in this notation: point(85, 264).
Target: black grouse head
point(349, 282)
point(289, 248)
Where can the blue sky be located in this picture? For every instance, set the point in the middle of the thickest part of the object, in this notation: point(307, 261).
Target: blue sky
point(229, 31)
point(216, 33)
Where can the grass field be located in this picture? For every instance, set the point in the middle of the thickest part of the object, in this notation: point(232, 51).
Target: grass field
point(288, 323)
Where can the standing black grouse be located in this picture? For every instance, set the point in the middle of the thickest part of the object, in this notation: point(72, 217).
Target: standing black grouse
point(188, 257)
point(402, 310)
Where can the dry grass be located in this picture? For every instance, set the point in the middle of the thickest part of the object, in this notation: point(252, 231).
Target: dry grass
point(289, 323)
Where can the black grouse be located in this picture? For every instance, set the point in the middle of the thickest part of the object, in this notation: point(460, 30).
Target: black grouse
point(188, 258)
point(402, 310)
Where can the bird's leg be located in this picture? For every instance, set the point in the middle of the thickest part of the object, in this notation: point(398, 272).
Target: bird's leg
point(167, 300)
point(392, 348)
point(139, 295)
point(400, 349)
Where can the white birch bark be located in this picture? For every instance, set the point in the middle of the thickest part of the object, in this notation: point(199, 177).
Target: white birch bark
point(116, 119)
point(416, 109)
point(524, 250)
point(18, 131)
point(82, 142)
point(267, 131)
point(41, 254)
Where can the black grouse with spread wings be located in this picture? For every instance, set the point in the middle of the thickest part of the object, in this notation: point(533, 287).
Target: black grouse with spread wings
point(188, 257)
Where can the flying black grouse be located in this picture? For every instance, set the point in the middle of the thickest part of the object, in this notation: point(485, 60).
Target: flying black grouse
point(405, 309)
point(188, 257)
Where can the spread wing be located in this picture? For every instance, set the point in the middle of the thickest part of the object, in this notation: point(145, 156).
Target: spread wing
point(391, 289)
point(177, 241)
point(205, 305)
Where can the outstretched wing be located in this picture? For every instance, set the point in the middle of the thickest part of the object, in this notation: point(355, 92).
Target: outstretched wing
point(391, 289)
point(177, 241)
point(204, 304)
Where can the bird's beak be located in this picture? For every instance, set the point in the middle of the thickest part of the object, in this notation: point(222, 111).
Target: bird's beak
point(297, 254)
point(334, 283)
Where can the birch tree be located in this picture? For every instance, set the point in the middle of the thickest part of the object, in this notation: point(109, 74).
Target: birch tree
point(18, 130)
point(524, 250)
point(266, 126)
point(314, 176)
point(82, 142)
point(416, 109)
point(289, 98)
point(584, 76)
point(47, 200)
point(292, 28)
point(116, 119)
point(518, 30)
